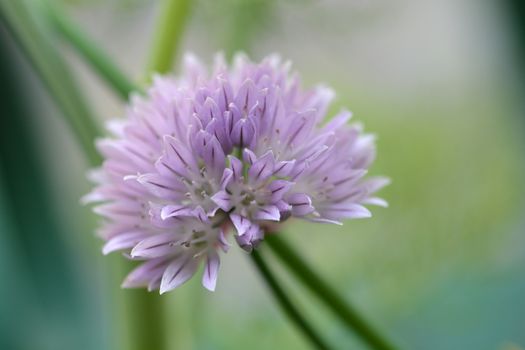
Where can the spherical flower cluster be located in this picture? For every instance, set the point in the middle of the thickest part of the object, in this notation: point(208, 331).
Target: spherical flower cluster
point(235, 150)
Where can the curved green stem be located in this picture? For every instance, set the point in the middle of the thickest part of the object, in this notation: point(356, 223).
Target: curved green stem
point(285, 303)
point(170, 27)
point(90, 52)
point(348, 315)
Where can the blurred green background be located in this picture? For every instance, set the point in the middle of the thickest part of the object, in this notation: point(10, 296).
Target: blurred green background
point(441, 83)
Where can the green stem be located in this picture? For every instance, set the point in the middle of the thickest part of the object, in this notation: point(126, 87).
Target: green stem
point(144, 314)
point(347, 314)
point(90, 52)
point(170, 27)
point(285, 303)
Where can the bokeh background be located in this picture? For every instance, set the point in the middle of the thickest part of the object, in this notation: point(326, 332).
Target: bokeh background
point(441, 83)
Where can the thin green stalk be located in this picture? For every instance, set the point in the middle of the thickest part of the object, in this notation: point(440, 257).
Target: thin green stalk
point(347, 314)
point(145, 317)
point(33, 39)
point(90, 52)
point(286, 304)
point(170, 27)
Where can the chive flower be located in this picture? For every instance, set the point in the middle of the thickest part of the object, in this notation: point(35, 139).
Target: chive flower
point(231, 152)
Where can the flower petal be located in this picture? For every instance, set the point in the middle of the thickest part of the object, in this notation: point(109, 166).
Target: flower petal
point(211, 270)
point(345, 211)
point(268, 212)
point(301, 204)
point(243, 133)
point(284, 168)
point(227, 177)
point(155, 246)
point(223, 200)
point(123, 241)
point(223, 243)
point(262, 168)
point(251, 238)
point(236, 167)
point(241, 223)
point(177, 154)
point(278, 188)
point(178, 271)
point(145, 272)
point(170, 211)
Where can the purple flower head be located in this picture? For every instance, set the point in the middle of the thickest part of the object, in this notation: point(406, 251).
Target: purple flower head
point(234, 150)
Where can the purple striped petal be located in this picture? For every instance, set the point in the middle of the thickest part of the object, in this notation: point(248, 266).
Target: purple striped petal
point(243, 132)
point(301, 204)
point(284, 168)
point(278, 188)
point(211, 270)
point(223, 200)
point(156, 246)
point(262, 168)
point(144, 273)
point(268, 212)
point(236, 167)
point(170, 211)
point(241, 223)
point(123, 241)
point(178, 271)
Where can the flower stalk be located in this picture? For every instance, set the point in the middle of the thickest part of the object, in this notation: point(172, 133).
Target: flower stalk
point(345, 312)
point(172, 19)
point(285, 303)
